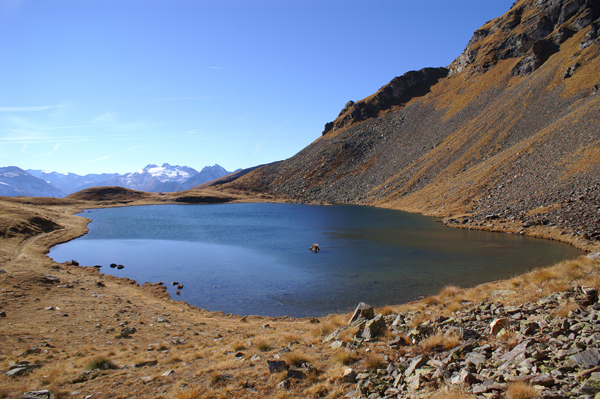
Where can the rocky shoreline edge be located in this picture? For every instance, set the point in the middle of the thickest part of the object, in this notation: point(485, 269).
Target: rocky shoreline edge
point(340, 360)
point(549, 348)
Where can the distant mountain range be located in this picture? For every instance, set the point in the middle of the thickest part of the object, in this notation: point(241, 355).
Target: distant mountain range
point(16, 182)
point(153, 178)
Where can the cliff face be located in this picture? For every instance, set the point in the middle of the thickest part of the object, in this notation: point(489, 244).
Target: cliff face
point(510, 130)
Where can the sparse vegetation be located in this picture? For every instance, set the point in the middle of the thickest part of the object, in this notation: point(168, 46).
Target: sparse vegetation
point(521, 390)
point(346, 357)
point(100, 363)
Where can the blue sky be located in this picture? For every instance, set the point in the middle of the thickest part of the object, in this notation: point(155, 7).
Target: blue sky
point(113, 85)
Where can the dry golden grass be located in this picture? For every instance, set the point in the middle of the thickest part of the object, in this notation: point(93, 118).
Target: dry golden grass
point(263, 345)
point(521, 390)
point(386, 310)
point(564, 309)
point(450, 292)
point(374, 361)
point(324, 329)
point(420, 318)
point(297, 359)
point(439, 341)
point(348, 334)
point(345, 357)
point(290, 339)
point(452, 393)
point(238, 346)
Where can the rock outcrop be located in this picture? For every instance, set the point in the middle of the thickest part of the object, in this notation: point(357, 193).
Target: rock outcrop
point(531, 31)
point(400, 90)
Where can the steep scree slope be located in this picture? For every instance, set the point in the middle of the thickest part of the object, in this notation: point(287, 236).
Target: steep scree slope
point(510, 130)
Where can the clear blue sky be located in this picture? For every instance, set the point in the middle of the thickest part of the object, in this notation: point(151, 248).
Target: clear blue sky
point(91, 86)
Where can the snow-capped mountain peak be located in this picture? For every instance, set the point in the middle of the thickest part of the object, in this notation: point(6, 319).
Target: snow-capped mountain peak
point(163, 173)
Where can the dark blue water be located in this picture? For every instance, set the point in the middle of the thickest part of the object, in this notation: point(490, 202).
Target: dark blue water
point(255, 259)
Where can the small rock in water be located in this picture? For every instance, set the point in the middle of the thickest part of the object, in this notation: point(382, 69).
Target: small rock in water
point(113, 265)
point(120, 267)
point(315, 248)
point(179, 286)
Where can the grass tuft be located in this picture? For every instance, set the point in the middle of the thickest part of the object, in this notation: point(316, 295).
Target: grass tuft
point(346, 358)
point(521, 390)
point(297, 359)
point(374, 361)
point(100, 363)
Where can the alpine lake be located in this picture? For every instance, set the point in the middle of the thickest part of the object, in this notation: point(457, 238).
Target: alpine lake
point(254, 259)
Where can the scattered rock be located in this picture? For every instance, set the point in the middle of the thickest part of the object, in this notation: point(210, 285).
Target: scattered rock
point(45, 394)
point(587, 358)
point(126, 332)
point(51, 279)
point(592, 385)
point(148, 363)
point(498, 324)
point(285, 384)
point(362, 311)
point(17, 371)
point(296, 374)
point(547, 354)
point(349, 375)
point(374, 328)
point(276, 366)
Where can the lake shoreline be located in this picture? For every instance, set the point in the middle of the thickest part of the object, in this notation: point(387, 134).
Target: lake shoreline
point(64, 317)
point(252, 259)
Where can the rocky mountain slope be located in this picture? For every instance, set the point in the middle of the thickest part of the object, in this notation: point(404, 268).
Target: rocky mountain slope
point(509, 131)
point(16, 182)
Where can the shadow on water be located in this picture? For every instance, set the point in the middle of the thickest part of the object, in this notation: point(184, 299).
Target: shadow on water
point(255, 258)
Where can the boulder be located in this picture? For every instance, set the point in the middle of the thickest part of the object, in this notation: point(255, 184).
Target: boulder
point(587, 358)
point(592, 385)
point(416, 363)
point(374, 327)
point(498, 324)
point(362, 310)
point(349, 375)
point(17, 371)
point(315, 248)
point(276, 366)
point(44, 394)
point(296, 374)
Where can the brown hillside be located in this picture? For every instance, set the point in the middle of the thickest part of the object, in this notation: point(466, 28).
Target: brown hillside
point(512, 133)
